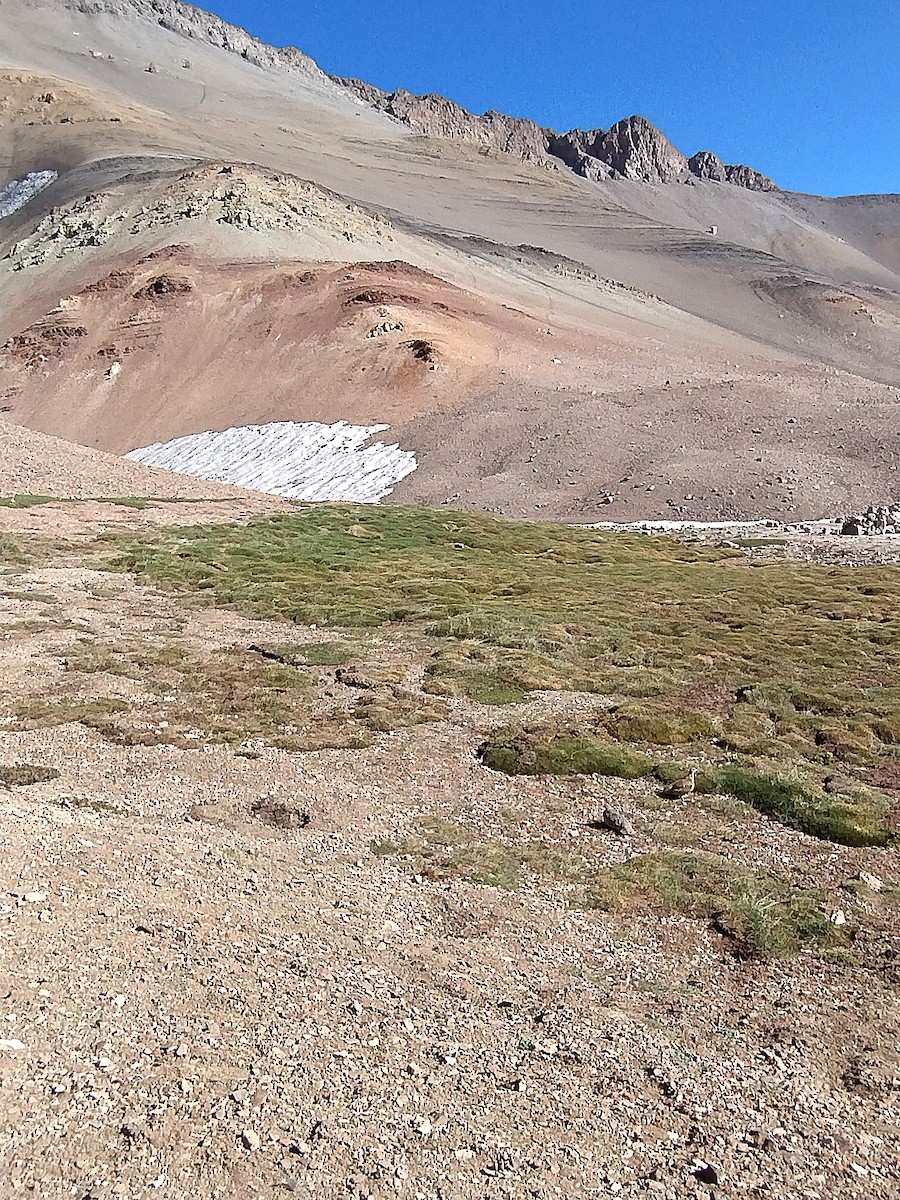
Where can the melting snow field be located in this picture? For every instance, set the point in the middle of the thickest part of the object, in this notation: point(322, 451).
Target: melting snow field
point(18, 192)
point(304, 461)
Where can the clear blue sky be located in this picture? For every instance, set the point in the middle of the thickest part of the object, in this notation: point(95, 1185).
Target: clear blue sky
point(807, 91)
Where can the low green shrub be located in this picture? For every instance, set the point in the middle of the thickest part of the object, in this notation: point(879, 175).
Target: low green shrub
point(760, 913)
point(850, 820)
point(522, 752)
point(25, 774)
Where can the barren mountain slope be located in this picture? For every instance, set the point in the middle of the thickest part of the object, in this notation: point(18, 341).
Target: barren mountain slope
point(796, 290)
point(312, 127)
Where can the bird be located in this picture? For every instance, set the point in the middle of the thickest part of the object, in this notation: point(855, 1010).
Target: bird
point(352, 678)
point(680, 787)
point(615, 820)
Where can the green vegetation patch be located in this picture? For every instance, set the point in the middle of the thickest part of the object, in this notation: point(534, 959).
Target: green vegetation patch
point(179, 695)
point(385, 709)
point(11, 553)
point(659, 726)
point(790, 663)
point(26, 501)
point(26, 774)
point(762, 914)
point(857, 817)
point(325, 654)
point(540, 751)
point(499, 675)
point(445, 849)
point(306, 654)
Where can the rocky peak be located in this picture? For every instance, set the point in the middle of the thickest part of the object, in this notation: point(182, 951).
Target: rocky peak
point(635, 149)
point(630, 149)
point(706, 165)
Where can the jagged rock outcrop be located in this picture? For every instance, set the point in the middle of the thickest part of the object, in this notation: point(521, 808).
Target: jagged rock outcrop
point(436, 116)
point(746, 177)
point(635, 149)
point(191, 22)
point(707, 165)
point(630, 149)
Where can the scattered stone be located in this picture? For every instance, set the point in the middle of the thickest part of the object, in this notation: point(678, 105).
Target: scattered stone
point(352, 678)
point(615, 820)
point(385, 328)
point(706, 1173)
point(280, 814)
point(209, 814)
point(874, 521)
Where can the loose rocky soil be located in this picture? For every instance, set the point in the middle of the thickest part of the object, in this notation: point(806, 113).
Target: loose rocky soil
point(199, 1001)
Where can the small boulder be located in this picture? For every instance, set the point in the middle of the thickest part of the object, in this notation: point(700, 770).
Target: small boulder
point(616, 821)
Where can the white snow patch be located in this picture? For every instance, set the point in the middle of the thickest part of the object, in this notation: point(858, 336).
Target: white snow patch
point(18, 192)
point(664, 525)
point(302, 460)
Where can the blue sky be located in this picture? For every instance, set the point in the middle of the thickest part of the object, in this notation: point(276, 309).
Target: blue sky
point(807, 91)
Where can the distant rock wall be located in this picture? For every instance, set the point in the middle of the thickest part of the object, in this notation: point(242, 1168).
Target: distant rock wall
point(438, 117)
point(629, 149)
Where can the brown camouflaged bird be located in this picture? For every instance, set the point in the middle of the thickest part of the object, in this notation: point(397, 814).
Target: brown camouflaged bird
point(680, 787)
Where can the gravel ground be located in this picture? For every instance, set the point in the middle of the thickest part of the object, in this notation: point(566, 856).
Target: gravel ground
point(196, 1003)
point(34, 463)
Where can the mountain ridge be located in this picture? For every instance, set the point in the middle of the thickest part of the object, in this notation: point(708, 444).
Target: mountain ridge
point(631, 148)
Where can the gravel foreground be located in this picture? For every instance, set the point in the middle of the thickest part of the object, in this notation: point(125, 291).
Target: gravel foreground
point(197, 1002)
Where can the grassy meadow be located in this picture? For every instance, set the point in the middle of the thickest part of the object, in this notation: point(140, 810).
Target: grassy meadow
point(769, 678)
